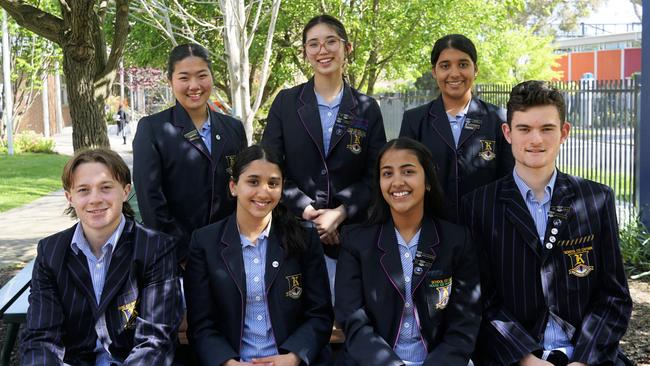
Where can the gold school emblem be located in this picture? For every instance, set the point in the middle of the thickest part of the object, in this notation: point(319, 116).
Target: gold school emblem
point(231, 162)
point(356, 135)
point(487, 150)
point(579, 261)
point(443, 290)
point(295, 289)
point(130, 314)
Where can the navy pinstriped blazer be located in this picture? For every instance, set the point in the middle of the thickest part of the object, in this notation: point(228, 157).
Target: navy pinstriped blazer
point(577, 276)
point(63, 310)
point(483, 155)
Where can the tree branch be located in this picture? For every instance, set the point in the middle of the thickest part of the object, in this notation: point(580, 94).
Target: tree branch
point(36, 20)
point(268, 51)
point(121, 26)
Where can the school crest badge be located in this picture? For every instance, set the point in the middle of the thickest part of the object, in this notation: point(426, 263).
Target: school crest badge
point(441, 290)
point(130, 314)
point(487, 150)
point(295, 286)
point(580, 266)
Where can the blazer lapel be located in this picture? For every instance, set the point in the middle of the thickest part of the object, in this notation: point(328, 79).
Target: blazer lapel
point(561, 211)
point(475, 112)
point(77, 266)
point(118, 270)
point(440, 123)
point(309, 115)
point(232, 255)
point(217, 132)
point(517, 213)
point(426, 255)
point(274, 259)
point(348, 107)
point(183, 121)
point(390, 259)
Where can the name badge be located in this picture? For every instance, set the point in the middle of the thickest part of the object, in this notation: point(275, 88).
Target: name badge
point(561, 212)
point(472, 124)
point(422, 262)
point(192, 135)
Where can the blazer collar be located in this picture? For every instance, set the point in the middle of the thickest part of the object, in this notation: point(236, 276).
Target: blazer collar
point(232, 256)
point(440, 122)
point(391, 259)
point(118, 270)
point(310, 118)
point(517, 213)
point(182, 120)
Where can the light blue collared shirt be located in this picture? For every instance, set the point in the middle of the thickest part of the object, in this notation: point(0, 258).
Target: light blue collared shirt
point(257, 340)
point(554, 337)
point(204, 132)
point(457, 122)
point(328, 113)
point(410, 344)
point(98, 267)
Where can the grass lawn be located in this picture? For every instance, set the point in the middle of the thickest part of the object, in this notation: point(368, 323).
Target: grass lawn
point(26, 177)
point(619, 182)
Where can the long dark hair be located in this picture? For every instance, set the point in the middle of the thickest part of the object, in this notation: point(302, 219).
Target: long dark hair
point(291, 233)
point(379, 209)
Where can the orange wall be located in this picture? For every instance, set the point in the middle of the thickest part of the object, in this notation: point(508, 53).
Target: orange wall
point(609, 65)
point(562, 66)
point(581, 62)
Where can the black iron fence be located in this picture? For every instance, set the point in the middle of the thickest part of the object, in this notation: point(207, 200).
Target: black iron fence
point(601, 145)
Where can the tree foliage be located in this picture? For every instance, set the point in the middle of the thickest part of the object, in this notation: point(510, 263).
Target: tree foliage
point(547, 16)
point(79, 28)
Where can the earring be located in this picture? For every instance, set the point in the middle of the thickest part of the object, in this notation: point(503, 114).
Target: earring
point(427, 187)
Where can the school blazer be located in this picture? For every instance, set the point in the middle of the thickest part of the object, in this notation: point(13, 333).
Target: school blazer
point(483, 155)
point(140, 300)
point(215, 289)
point(180, 185)
point(370, 293)
point(343, 175)
point(576, 276)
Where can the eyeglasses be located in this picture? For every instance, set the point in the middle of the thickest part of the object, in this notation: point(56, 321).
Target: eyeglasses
point(331, 45)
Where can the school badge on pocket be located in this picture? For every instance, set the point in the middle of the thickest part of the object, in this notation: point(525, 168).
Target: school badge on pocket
point(579, 261)
point(231, 162)
point(130, 314)
point(441, 290)
point(356, 134)
point(487, 150)
point(295, 287)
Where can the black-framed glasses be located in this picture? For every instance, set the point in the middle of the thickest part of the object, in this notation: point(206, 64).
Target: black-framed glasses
point(331, 44)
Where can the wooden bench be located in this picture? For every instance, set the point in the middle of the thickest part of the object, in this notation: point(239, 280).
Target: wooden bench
point(13, 308)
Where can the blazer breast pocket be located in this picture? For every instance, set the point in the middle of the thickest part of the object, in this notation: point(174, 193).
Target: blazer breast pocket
point(438, 291)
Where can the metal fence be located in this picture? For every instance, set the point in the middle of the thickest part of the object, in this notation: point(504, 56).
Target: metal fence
point(601, 145)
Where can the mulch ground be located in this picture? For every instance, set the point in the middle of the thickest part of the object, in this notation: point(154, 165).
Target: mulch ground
point(636, 342)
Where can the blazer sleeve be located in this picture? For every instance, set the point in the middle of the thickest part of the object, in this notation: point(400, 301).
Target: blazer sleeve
point(211, 347)
point(362, 343)
point(156, 327)
point(505, 162)
point(509, 340)
point(356, 197)
point(42, 342)
point(148, 178)
point(611, 307)
point(463, 313)
point(312, 336)
point(273, 137)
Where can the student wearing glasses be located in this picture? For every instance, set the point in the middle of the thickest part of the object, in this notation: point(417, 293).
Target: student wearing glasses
point(329, 134)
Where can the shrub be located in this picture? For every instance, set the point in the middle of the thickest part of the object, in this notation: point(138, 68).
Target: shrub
point(635, 246)
point(29, 142)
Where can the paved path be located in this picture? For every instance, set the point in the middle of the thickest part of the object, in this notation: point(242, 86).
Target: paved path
point(22, 227)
